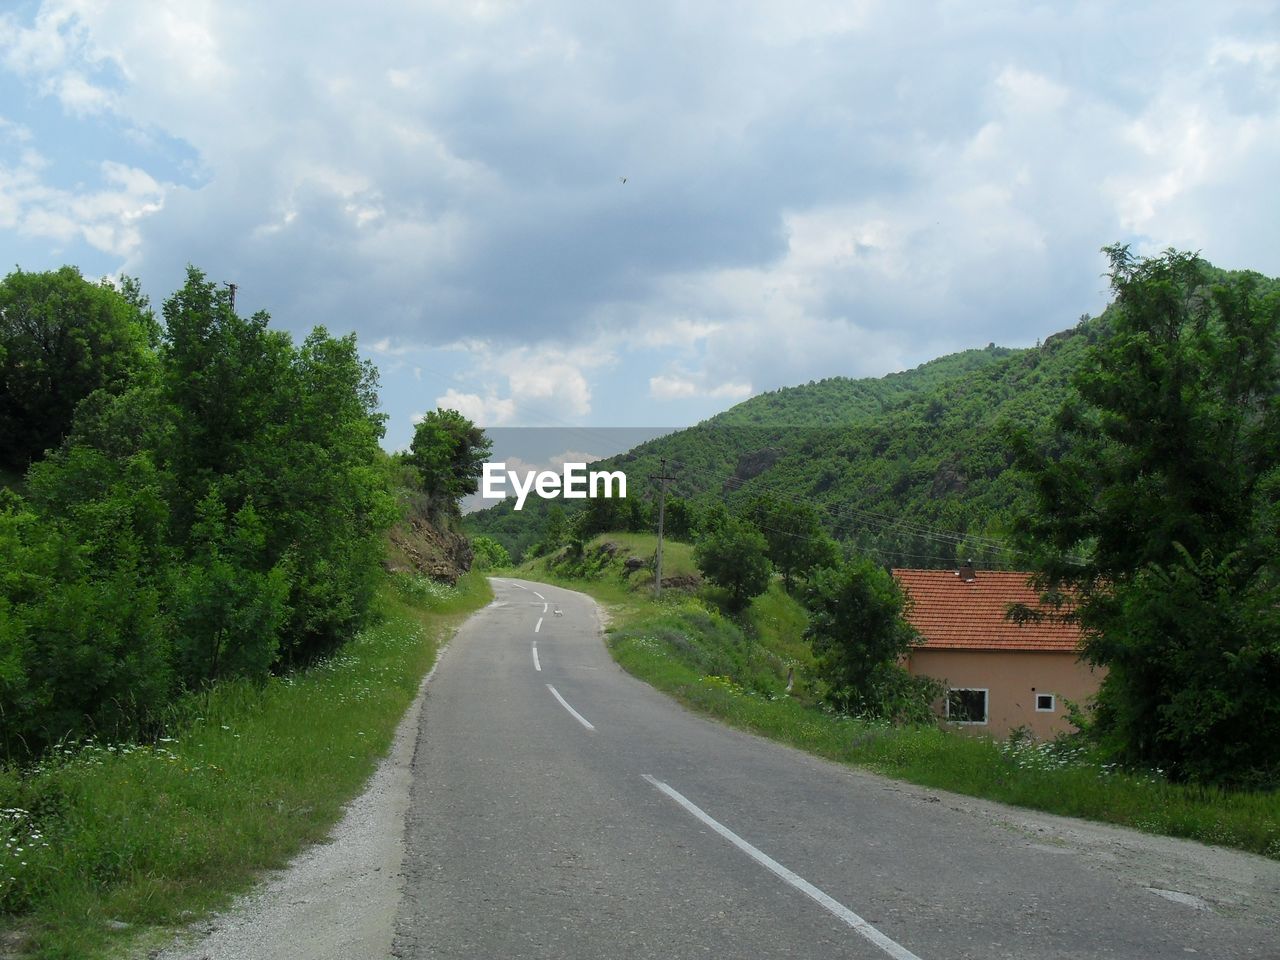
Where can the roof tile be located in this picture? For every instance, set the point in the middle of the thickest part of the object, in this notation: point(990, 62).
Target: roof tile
point(953, 613)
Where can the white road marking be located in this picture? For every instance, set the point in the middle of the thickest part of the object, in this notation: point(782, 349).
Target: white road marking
point(537, 626)
point(520, 585)
point(538, 595)
point(536, 665)
point(576, 715)
point(859, 926)
point(544, 608)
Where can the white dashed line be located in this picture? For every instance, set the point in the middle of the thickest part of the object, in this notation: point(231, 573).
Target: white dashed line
point(544, 608)
point(564, 703)
point(537, 626)
point(536, 665)
point(538, 595)
point(859, 926)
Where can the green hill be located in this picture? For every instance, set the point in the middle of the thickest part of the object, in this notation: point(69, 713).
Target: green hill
point(879, 457)
point(910, 467)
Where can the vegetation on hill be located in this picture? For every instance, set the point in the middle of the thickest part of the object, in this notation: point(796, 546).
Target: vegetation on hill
point(908, 467)
point(914, 469)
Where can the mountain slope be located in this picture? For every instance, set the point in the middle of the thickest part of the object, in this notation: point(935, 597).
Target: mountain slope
point(911, 467)
point(838, 443)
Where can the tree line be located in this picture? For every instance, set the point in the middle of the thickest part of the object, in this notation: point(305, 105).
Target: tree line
point(203, 498)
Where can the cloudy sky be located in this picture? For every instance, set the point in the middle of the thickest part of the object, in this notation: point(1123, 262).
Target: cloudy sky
point(811, 189)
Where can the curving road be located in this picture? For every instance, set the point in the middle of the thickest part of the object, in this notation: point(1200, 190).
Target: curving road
point(562, 809)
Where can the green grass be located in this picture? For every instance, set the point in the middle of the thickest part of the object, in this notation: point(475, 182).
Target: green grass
point(155, 835)
point(603, 556)
point(734, 670)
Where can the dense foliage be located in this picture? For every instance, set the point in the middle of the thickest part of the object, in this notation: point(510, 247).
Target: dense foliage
point(736, 558)
point(858, 633)
point(1155, 523)
point(62, 338)
point(793, 531)
point(489, 553)
point(909, 468)
point(219, 514)
point(449, 452)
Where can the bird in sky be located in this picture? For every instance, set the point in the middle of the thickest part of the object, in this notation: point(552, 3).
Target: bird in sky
point(622, 179)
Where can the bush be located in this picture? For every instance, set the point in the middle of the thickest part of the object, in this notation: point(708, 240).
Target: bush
point(858, 634)
point(735, 557)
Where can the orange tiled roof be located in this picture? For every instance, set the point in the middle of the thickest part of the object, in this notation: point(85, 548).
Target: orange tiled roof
point(952, 613)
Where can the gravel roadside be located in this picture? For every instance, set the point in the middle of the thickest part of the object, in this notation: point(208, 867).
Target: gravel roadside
point(336, 900)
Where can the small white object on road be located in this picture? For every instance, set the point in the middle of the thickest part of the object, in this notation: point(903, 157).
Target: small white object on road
point(860, 926)
point(564, 703)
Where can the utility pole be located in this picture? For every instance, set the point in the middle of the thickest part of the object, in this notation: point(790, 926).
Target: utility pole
point(662, 514)
point(232, 288)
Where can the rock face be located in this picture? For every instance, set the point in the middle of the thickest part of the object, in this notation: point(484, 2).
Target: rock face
point(429, 546)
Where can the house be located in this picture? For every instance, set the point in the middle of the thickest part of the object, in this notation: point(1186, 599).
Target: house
point(1001, 675)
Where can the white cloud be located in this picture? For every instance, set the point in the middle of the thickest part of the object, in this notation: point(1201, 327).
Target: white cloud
point(830, 188)
point(489, 411)
point(109, 218)
point(676, 387)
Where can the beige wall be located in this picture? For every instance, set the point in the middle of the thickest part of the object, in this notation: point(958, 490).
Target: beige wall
point(1012, 679)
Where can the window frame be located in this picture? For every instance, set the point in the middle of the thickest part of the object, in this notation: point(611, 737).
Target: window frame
point(986, 707)
point(1053, 703)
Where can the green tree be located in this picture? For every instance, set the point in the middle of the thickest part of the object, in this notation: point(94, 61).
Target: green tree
point(61, 338)
point(859, 634)
point(735, 558)
point(602, 515)
point(680, 519)
point(556, 532)
point(449, 452)
point(1155, 526)
point(489, 553)
point(797, 542)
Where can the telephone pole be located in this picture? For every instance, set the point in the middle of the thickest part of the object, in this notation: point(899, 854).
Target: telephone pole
point(662, 514)
point(232, 288)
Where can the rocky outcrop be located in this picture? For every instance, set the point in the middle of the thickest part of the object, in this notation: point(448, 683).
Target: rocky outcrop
point(429, 547)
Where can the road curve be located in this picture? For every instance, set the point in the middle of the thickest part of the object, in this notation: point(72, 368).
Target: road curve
point(563, 809)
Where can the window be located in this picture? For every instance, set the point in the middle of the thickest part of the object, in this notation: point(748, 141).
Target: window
point(1044, 703)
point(966, 705)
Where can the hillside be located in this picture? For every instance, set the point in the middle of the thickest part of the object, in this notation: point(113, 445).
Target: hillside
point(911, 467)
point(881, 457)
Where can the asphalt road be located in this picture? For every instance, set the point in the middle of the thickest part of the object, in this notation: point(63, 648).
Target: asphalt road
point(563, 809)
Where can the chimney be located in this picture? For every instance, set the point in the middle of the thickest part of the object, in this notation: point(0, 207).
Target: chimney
point(966, 572)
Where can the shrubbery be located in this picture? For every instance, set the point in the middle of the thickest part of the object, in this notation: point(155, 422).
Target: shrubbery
point(219, 514)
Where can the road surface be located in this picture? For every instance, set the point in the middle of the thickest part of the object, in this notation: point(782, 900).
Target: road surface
point(561, 808)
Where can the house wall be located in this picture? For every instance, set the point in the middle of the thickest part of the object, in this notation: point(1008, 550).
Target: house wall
point(1012, 679)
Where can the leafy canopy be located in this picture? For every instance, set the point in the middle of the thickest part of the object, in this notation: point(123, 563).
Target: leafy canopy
point(61, 338)
point(858, 634)
point(735, 558)
point(1158, 518)
point(449, 452)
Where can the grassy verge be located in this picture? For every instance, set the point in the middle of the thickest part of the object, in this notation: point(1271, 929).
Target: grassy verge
point(102, 845)
point(735, 671)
